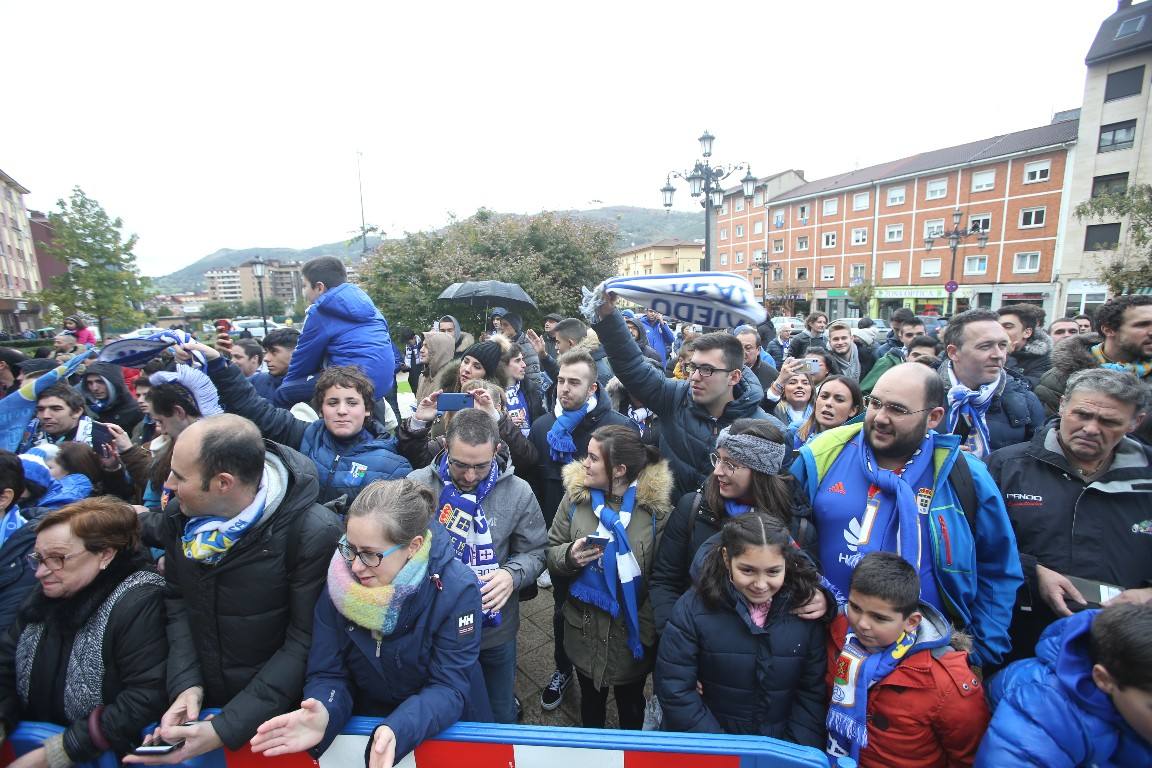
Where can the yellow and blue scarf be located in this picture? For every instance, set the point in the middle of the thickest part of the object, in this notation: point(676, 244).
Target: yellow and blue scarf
point(856, 671)
point(208, 539)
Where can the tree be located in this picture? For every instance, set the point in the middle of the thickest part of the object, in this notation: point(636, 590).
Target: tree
point(1129, 267)
point(550, 255)
point(861, 294)
point(102, 280)
point(215, 309)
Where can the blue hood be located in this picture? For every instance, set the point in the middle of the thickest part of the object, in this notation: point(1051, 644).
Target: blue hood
point(1066, 647)
point(347, 301)
point(65, 491)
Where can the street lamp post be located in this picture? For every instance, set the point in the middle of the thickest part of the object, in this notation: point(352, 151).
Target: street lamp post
point(762, 259)
point(258, 273)
point(706, 179)
point(955, 236)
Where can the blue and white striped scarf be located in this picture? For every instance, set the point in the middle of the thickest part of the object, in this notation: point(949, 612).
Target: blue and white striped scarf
point(712, 299)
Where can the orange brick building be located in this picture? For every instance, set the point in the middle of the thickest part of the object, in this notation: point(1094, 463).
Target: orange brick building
point(867, 227)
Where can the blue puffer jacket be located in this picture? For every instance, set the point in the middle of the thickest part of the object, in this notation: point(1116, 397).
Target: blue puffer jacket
point(343, 467)
point(343, 327)
point(977, 572)
point(1048, 712)
point(1015, 414)
point(422, 678)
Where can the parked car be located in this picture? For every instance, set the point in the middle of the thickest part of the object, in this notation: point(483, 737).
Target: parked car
point(253, 325)
point(881, 326)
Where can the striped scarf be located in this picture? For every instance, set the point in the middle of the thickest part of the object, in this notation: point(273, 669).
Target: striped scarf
point(377, 608)
point(1141, 370)
point(208, 539)
point(855, 672)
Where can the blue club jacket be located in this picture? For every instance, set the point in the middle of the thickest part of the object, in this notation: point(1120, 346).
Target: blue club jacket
point(1048, 712)
point(977, 572)
point(423, 677)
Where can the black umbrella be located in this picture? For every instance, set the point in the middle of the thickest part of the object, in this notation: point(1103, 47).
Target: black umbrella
point(488, 293)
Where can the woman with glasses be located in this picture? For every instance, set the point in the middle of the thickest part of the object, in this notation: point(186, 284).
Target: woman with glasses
point(838, 402)
point(749, 472)
point(396, 634)
point(602, 543)
point(88, 648)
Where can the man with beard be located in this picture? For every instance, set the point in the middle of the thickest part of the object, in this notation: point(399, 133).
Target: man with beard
point(895, 485)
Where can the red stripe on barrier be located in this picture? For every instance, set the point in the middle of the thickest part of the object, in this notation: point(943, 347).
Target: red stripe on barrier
point(246, 758)
point(634, 759)
point(7, 754)
point(462, 753)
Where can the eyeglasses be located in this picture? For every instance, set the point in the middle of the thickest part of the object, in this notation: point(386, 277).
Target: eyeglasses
point(893, 410)
point(465, 467)
point(51, 562)
point(729, 466)
point(704, 370)
point(370, 559)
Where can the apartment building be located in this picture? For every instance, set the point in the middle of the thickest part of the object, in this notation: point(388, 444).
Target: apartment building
point(662, 257)
point(282, 280)
point(809, 245)
point(19, 274)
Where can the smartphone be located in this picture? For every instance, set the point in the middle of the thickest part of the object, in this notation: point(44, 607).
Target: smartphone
point(1095, 592)
point(222, 324)
point(600, 542)
point(158, 748)
point(813, 365)
point(454, 401)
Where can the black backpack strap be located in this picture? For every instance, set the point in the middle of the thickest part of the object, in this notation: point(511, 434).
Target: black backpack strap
point(965, 489)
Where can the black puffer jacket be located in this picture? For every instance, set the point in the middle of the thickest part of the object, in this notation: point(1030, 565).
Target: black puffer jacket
point(688, 432)
point(120, 408)
point(242, 628)
point(1034, 360)
point(1014, 415)
point(130, 654)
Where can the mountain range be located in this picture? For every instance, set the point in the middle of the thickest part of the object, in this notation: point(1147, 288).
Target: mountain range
point(634, 226)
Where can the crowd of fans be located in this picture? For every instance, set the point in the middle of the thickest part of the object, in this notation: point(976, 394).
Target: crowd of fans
point(910, 549)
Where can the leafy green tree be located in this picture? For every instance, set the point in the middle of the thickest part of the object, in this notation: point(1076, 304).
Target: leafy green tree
point(102, 280)
point(861, 294)
point(1130, 265)
point(549, 255)
point(215, 309)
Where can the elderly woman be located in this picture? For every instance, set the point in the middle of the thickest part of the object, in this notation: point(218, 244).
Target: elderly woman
point(88, 649)
point(396, 635)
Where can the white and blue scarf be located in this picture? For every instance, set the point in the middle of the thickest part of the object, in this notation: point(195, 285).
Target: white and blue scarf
point(974, 405)
point(561, 446)
point(462, 515)
point(596, 585)
point(856, 671)
point(517, 402)
point(11, 522)
point(897, 488)
point(712, 299)
point(208, 539)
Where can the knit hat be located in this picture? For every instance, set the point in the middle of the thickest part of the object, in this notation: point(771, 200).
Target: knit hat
point(487, 353)
point(36, 470)
point(514, 320)
point(554, 316)
point(628, 314)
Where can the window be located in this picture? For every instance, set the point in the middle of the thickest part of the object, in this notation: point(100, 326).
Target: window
point(757, 256)
point(739, 257)
point(1026, 262)
point(724, 209)
point(895, 195)
point(802, 273)
point(739, 230)
point(831, 206)
point(859, 236)
point(1116, 136)
point(778, 218)
point(894, 233)
point(858, 271)
point(1101, 237)
point(982, 181)
point(802, 213)
point(1129, 27)
point(936, 189)
point(828, 272)
point(1126, 82)
point(758, 199)
point(1112, 184)
point(933, 227)
point(1032, 217)
point(975, 265)
point(829, 239)
point(723, 259)
point(723, 233)
point(860, 201)
point(777, 274)
point(930, 268)
point(891, 270)
point(802, 243)
point(758, 227)
point(778, 245)
point(739, 203)
point(1038, 171)
point(980, 222)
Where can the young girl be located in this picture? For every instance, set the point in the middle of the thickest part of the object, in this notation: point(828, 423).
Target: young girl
point(733, 658)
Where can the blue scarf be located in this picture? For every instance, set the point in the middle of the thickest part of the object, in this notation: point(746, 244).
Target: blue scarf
point(11, 522)
point(898, 488)
point(561, 447)
point(735, 508)
point(596, 584)
point(855, 672)
point(517, 402)
point(208, 539)
point(972, 404)
point(462, 515)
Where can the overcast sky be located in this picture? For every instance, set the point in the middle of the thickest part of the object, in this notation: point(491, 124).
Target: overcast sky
point(236, 124)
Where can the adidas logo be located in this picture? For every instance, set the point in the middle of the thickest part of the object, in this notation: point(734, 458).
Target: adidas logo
point(838, 488)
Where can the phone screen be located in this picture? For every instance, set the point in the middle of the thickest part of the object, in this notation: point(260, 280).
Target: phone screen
point(159, 748)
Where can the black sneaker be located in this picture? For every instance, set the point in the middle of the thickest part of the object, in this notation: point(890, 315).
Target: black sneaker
point(553, 694)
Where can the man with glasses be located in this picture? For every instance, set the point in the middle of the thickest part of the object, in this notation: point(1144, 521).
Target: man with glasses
point(895, 485)
point(692, 412)
point(497, 530)
point(246, 550)
point(764, 370)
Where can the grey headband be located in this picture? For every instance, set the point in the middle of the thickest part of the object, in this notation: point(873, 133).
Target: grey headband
point(761, 455)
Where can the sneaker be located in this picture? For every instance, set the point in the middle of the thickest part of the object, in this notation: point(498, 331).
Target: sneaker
point(544, 580)
point(552, 695)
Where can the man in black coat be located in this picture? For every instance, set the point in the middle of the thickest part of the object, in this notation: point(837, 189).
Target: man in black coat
point(241, 590)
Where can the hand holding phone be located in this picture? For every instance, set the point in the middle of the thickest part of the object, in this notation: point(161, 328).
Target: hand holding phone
point(157, 748)
point(812, 365)
point(599, 542)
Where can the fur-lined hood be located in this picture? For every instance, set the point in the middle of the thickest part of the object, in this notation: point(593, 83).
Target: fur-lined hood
point(618, 395)
point(1075, 353)
point(1038, 346)
point(589, 344)
point(653, 486)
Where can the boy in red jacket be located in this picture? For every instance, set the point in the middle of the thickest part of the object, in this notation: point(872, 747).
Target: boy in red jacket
point(902, 693)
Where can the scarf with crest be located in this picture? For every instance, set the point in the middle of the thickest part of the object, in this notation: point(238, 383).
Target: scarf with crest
point(855, 672)
point(377, 608)
point(462, 515)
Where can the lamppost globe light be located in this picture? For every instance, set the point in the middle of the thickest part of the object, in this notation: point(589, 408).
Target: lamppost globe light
point(695, 182)
point(667, 191)
point(717, 196)
point(258, 267)
point(956, 217)
point(749, 182)
point(706, 143)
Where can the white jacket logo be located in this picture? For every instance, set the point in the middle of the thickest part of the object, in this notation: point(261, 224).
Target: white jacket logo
point(1023, 497)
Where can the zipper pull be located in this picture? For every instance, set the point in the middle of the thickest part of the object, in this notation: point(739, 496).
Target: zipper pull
point(379, 639)
point(439, 584)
